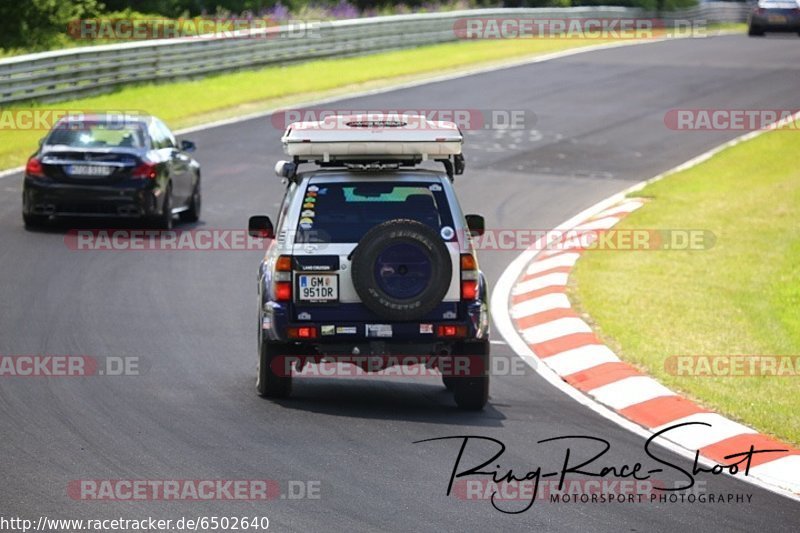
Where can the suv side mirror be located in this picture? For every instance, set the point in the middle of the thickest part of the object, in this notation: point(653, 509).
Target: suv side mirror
point(188, 146)
point(285, 169)
point(476, 224)
point(458, 164)
point(260, 227)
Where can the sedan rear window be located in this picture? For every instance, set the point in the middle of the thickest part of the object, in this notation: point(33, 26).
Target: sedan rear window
point(85, 134)
point(344, 212)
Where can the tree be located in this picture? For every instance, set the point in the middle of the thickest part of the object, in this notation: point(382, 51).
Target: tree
point(35, 24)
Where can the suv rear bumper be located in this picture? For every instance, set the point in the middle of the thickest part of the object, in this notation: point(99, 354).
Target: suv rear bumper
point(377, 336)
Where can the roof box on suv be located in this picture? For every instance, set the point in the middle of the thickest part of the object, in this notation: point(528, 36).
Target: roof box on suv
point(377, 136)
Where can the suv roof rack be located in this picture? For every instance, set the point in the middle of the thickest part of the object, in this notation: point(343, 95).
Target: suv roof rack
point(375, 142)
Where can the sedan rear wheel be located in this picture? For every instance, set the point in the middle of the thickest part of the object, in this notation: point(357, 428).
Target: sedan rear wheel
point(164, 222)
point(34, 221)
point(193, 213)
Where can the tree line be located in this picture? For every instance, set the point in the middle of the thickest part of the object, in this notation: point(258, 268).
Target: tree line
point(32, 25)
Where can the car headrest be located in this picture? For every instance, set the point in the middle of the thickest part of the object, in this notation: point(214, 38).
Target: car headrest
point(420, 202)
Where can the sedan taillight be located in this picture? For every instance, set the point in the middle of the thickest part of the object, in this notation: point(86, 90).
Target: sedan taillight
point(145, 171)
point(34, 168)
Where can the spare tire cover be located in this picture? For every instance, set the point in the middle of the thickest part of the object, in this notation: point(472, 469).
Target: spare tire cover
point(401, 269)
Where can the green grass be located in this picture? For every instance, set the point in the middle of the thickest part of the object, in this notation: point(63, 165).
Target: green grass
point(742, 296)
point(187, 103)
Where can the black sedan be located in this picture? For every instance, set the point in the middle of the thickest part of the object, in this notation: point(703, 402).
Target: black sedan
point(774, 16)
point(112, 166)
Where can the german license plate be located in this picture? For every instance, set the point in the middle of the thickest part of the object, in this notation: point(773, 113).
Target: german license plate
point(89, 170)
point(318, 288)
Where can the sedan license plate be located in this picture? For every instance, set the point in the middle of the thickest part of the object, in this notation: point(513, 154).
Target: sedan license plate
point(776, 19)
point(89, 170)
point(317, 288)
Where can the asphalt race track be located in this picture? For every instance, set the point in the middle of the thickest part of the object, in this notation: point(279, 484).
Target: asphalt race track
point(191, 317)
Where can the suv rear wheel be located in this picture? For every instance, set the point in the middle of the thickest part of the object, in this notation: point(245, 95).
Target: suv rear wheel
point(268, 383)
point(472, 393)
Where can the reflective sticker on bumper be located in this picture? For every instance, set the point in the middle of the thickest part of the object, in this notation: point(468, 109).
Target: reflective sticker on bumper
point(379, 330)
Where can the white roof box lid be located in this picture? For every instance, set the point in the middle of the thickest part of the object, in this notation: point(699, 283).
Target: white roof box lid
point(374, 135)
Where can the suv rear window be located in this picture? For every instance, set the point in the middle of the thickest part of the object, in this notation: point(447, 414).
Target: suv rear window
point(344, 212)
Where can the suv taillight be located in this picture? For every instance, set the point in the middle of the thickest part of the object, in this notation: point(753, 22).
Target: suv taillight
point(283, 278)
point(305, 332)
point(451, 330)
point(469, 277)
point(34, 168)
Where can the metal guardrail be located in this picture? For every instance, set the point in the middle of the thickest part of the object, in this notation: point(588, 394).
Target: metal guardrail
point(92, 70)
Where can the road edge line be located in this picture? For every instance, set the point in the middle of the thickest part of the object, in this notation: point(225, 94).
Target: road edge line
point(500, 306)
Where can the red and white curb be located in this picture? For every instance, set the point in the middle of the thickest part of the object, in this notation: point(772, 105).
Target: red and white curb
point(543, 317)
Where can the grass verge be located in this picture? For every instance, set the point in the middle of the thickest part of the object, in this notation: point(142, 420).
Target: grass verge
point(740, 297)
point(187, 103)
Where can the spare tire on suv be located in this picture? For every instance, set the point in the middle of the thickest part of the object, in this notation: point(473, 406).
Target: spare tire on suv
point(401, 269)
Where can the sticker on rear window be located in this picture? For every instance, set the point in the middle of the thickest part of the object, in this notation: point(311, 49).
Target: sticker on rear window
point(435, 188)
point(447, 233)
point(313, 188)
